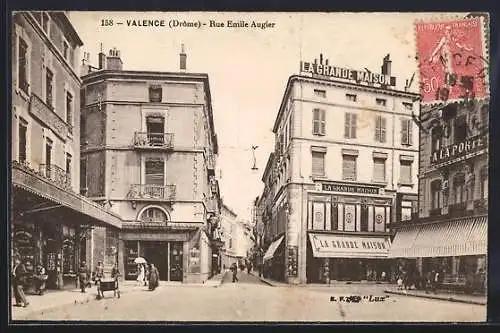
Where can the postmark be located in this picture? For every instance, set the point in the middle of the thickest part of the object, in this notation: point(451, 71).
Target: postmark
point(452, 60)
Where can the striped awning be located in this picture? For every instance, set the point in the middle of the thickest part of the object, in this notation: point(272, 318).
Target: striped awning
point(459, 237)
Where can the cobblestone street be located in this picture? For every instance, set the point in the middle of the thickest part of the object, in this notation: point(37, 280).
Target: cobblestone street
point(249, 299)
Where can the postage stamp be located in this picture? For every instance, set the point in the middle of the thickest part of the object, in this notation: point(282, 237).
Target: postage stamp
point(452, 61)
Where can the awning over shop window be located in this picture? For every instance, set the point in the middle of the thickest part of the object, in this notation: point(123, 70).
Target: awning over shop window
point(466, 236)
point(272, 248)
point(348, 246)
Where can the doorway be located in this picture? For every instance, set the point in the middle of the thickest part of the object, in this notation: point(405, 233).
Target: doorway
point(176, 261)
point(157, 254)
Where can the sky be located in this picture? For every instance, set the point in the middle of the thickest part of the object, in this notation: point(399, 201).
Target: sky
point(249, 67)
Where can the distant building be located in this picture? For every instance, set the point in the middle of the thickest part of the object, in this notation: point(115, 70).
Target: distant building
point(50, 220)
point(149, 152)
point(227, 219)
point(344, 169)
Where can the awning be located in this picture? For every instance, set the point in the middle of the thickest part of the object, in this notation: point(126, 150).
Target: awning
point(272, 248)
point(349, 246)
point(32, 182)
point(459, 237)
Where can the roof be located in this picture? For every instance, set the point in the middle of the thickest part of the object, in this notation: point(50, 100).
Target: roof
point(68, 26)
point(293, 78)
point(268, 166)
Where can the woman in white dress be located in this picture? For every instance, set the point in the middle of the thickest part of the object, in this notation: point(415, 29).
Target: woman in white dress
point(141, 275)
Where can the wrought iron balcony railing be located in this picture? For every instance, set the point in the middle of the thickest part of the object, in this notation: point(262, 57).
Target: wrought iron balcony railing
point(56, 174)
point(152, 192)
point(154, 140)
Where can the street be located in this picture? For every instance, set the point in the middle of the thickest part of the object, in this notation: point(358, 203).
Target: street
point(249, 299)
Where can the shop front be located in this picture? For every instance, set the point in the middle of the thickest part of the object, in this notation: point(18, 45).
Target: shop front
point(456, 248)
point(274, 260)
point(334, 257)
point(50, 226)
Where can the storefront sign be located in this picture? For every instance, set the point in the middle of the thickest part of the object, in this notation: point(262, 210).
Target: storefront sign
point(347, 73)
point(347, 246)
point(359, 189)
point(460, 150)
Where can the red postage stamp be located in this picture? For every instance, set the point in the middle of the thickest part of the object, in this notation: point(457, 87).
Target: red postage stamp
point(451, 57)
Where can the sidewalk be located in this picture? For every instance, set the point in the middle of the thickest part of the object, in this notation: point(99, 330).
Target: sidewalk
point(214, 282)
point(444, 296)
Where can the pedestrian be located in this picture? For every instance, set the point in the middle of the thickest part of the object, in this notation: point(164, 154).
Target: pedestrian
point(249, 267)
point(436, 281)
point(400, 283)
point(40, 279)
point(115, 273)
point(147, 272)
point(83, 276)
point(154, 276)
point(99, 275)
point(141, 274)
point(234, 269)
point(383, 276)
point(19, 281)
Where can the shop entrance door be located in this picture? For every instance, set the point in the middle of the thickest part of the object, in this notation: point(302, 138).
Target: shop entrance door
point(156, 253)
point(176, 261)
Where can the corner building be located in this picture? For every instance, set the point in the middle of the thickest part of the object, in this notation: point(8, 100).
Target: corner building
point(344, 169)
point(149, 152)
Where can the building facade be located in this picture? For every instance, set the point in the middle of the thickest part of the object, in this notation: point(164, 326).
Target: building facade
point(346, 152)
point(228, 218)
point(450, 235)
point(50, 220)
point(149, 151)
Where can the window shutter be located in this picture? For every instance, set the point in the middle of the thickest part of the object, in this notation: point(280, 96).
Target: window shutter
point(349, 167)
point(406, 172)
point(354, 119)
point(318, 164)
point(382, 129)
point(315, 121)
point(379, 169)
point(323, 121)
point(347, 125)
point(410, 135)
point(377, 128)
point(404, 132)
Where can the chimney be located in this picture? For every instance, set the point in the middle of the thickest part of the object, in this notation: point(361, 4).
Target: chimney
point(85, 68)
point(182, 58)
point(386, 65)
point(102, 59)
point(114, 61)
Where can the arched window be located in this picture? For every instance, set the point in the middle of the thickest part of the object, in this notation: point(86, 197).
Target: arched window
point(154, 214)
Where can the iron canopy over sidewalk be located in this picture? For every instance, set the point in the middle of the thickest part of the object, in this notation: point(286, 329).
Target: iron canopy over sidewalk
point(455, 237)
point(33, 192)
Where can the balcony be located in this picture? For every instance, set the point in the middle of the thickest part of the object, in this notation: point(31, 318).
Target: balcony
point(211, 165)
point(147, 192)
point(159, 141)
point(56, 174)
point(211, 205)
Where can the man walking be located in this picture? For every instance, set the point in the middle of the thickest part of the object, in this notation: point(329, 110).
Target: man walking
point(19, 280)
point(234, 269)
point(83, 276)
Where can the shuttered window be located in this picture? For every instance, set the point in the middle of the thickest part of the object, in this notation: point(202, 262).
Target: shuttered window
point(155, 172)
point(350, 121)
point(318, 163)
point(379, 169)
point(348, 167)
point(319, 122)
point(405, 172)
point(380, 129)
point(406, 132)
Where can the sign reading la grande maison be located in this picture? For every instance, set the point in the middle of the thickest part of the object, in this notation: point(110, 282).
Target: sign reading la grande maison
point(327, 245)
point(459, 150)
point(347, 74)
point(332, 187)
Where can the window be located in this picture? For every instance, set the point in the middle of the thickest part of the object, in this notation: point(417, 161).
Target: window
point(48, 156)
point(350, 125)
point(381, 101)
point(155, 94)
point(155, 127)
point(23, 136)
point(83, 130)
point(378, 169)
point(49, 85)
point(155, 172)
point(436, 199)
point(83, 176)
point(406, 210)
point(349, 167)
point(351, 97)
point(319, 122)
point(320, 93)
point(154, 215)
point(290, 128)
point(318, 215)
point(460, 129)
point(65, 50)
point(69, 111)
point(459, 188)
point(22, 69)
point(318, 163)
point(68, 168)
point(408, 106)
point(405, 172)
point(380, 124)
point(436, 138)
point(406, 132)
point(484, 183)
